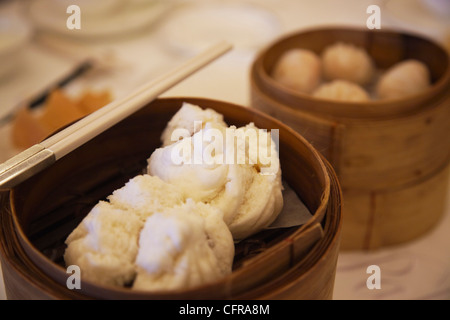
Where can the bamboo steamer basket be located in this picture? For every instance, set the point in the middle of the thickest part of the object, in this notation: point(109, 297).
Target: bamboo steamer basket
point(387, 154)
point(289, 263)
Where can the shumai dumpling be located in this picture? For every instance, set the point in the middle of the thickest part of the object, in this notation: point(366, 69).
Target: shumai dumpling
point(347, 62)
point(341, 90)
point(405, 78)
point(299, 69)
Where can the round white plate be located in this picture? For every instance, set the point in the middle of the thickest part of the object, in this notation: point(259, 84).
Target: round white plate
point(191, 27)
point(53, 18)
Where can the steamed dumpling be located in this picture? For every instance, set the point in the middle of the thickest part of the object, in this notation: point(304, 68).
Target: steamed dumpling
point(299, 69)
point(347, 62)
point(144, 195)
point(183, 247)
point(405, 78)
point(262, 199)
point(341, 90)
point(105, 245)
point(186, 119)
point(179, 165)
point(245, 186)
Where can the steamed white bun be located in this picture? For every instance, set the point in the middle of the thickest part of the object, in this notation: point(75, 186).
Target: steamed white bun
point(183, 247)
point(178, 165)
point(244, 186)
point(186, 119)
point(260, 178)
point(145, 194)
point(105, 245)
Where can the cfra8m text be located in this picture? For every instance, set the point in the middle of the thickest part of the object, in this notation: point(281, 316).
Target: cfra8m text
point(242, 309)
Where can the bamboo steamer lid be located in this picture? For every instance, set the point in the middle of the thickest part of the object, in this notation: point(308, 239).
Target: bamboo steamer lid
point(289, 261)
point(376, 147)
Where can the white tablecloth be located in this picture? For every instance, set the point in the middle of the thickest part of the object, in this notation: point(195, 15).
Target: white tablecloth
point(417, 270)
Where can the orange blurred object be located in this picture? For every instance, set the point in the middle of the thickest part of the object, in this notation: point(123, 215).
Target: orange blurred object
point(91, 101)
point(59, 110)
point(27, 130)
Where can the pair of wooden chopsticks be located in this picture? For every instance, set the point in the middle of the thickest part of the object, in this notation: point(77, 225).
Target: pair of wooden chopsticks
point(44, 154)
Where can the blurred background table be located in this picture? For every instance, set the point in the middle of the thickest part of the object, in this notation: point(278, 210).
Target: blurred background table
point(149, 45)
